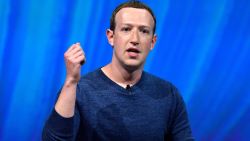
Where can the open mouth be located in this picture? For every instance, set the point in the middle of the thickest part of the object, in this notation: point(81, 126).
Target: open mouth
point(133, 52)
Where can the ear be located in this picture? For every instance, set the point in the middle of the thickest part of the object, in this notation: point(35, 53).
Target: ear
point(110, 36)
point(153, 41)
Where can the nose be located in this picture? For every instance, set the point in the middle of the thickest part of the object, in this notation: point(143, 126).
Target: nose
point(135, 38)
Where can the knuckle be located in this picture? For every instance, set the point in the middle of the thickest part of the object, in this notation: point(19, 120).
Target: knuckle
point(77, 46)
point(82, 54)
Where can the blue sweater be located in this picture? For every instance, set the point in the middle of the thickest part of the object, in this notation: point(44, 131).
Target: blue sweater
point(151, 110)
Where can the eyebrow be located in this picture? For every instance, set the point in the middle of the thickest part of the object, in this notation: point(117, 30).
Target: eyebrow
point(141, 26)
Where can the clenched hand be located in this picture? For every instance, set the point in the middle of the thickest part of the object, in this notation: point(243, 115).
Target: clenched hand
point(74, 57)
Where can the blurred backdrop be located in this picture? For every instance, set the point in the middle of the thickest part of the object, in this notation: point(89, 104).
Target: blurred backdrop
point(203, 48)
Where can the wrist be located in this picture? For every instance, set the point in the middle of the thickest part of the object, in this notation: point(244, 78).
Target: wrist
point(70, 81)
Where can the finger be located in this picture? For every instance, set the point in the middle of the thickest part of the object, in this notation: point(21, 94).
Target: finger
point(80, 47)
point(79, 53)
point(75, 57)
point(76, 50)
point(68, 53)
point(84, 59)
point(71, 48)
point(74, 46)
point(81, 59)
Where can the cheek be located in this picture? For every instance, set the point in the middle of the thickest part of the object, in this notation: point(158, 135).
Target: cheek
point(147, 46)
point(119, 50)
point(120, 44)
point(146, 49)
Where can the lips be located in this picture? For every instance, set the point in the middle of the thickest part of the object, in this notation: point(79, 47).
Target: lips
point(133, 52)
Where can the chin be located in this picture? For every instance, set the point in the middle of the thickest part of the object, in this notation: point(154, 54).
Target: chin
point(132, 66)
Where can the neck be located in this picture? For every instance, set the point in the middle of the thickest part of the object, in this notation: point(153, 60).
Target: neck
point(121, 75)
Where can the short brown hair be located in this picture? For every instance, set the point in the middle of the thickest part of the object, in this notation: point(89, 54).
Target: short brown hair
point(132, 4)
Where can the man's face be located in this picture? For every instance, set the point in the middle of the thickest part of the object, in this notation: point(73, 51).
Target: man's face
point(132, 38)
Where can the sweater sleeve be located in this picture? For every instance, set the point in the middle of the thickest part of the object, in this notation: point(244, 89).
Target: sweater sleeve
point(180, 129)
point(61, 128)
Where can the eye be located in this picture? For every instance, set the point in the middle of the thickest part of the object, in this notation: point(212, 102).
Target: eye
point(145, 31)
point(126, 29)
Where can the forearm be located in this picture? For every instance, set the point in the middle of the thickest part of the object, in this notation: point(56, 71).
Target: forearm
point(65, 105)
point(60, 125)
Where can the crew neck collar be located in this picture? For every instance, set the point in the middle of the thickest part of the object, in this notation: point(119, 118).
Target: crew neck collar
point(117, 86)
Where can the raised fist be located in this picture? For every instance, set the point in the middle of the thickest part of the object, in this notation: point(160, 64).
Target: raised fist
point(74, 57)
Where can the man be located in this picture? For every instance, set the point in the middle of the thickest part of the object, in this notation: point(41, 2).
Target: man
point(119, 101)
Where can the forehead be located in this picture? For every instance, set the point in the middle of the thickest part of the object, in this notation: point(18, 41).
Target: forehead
point(134, 16)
